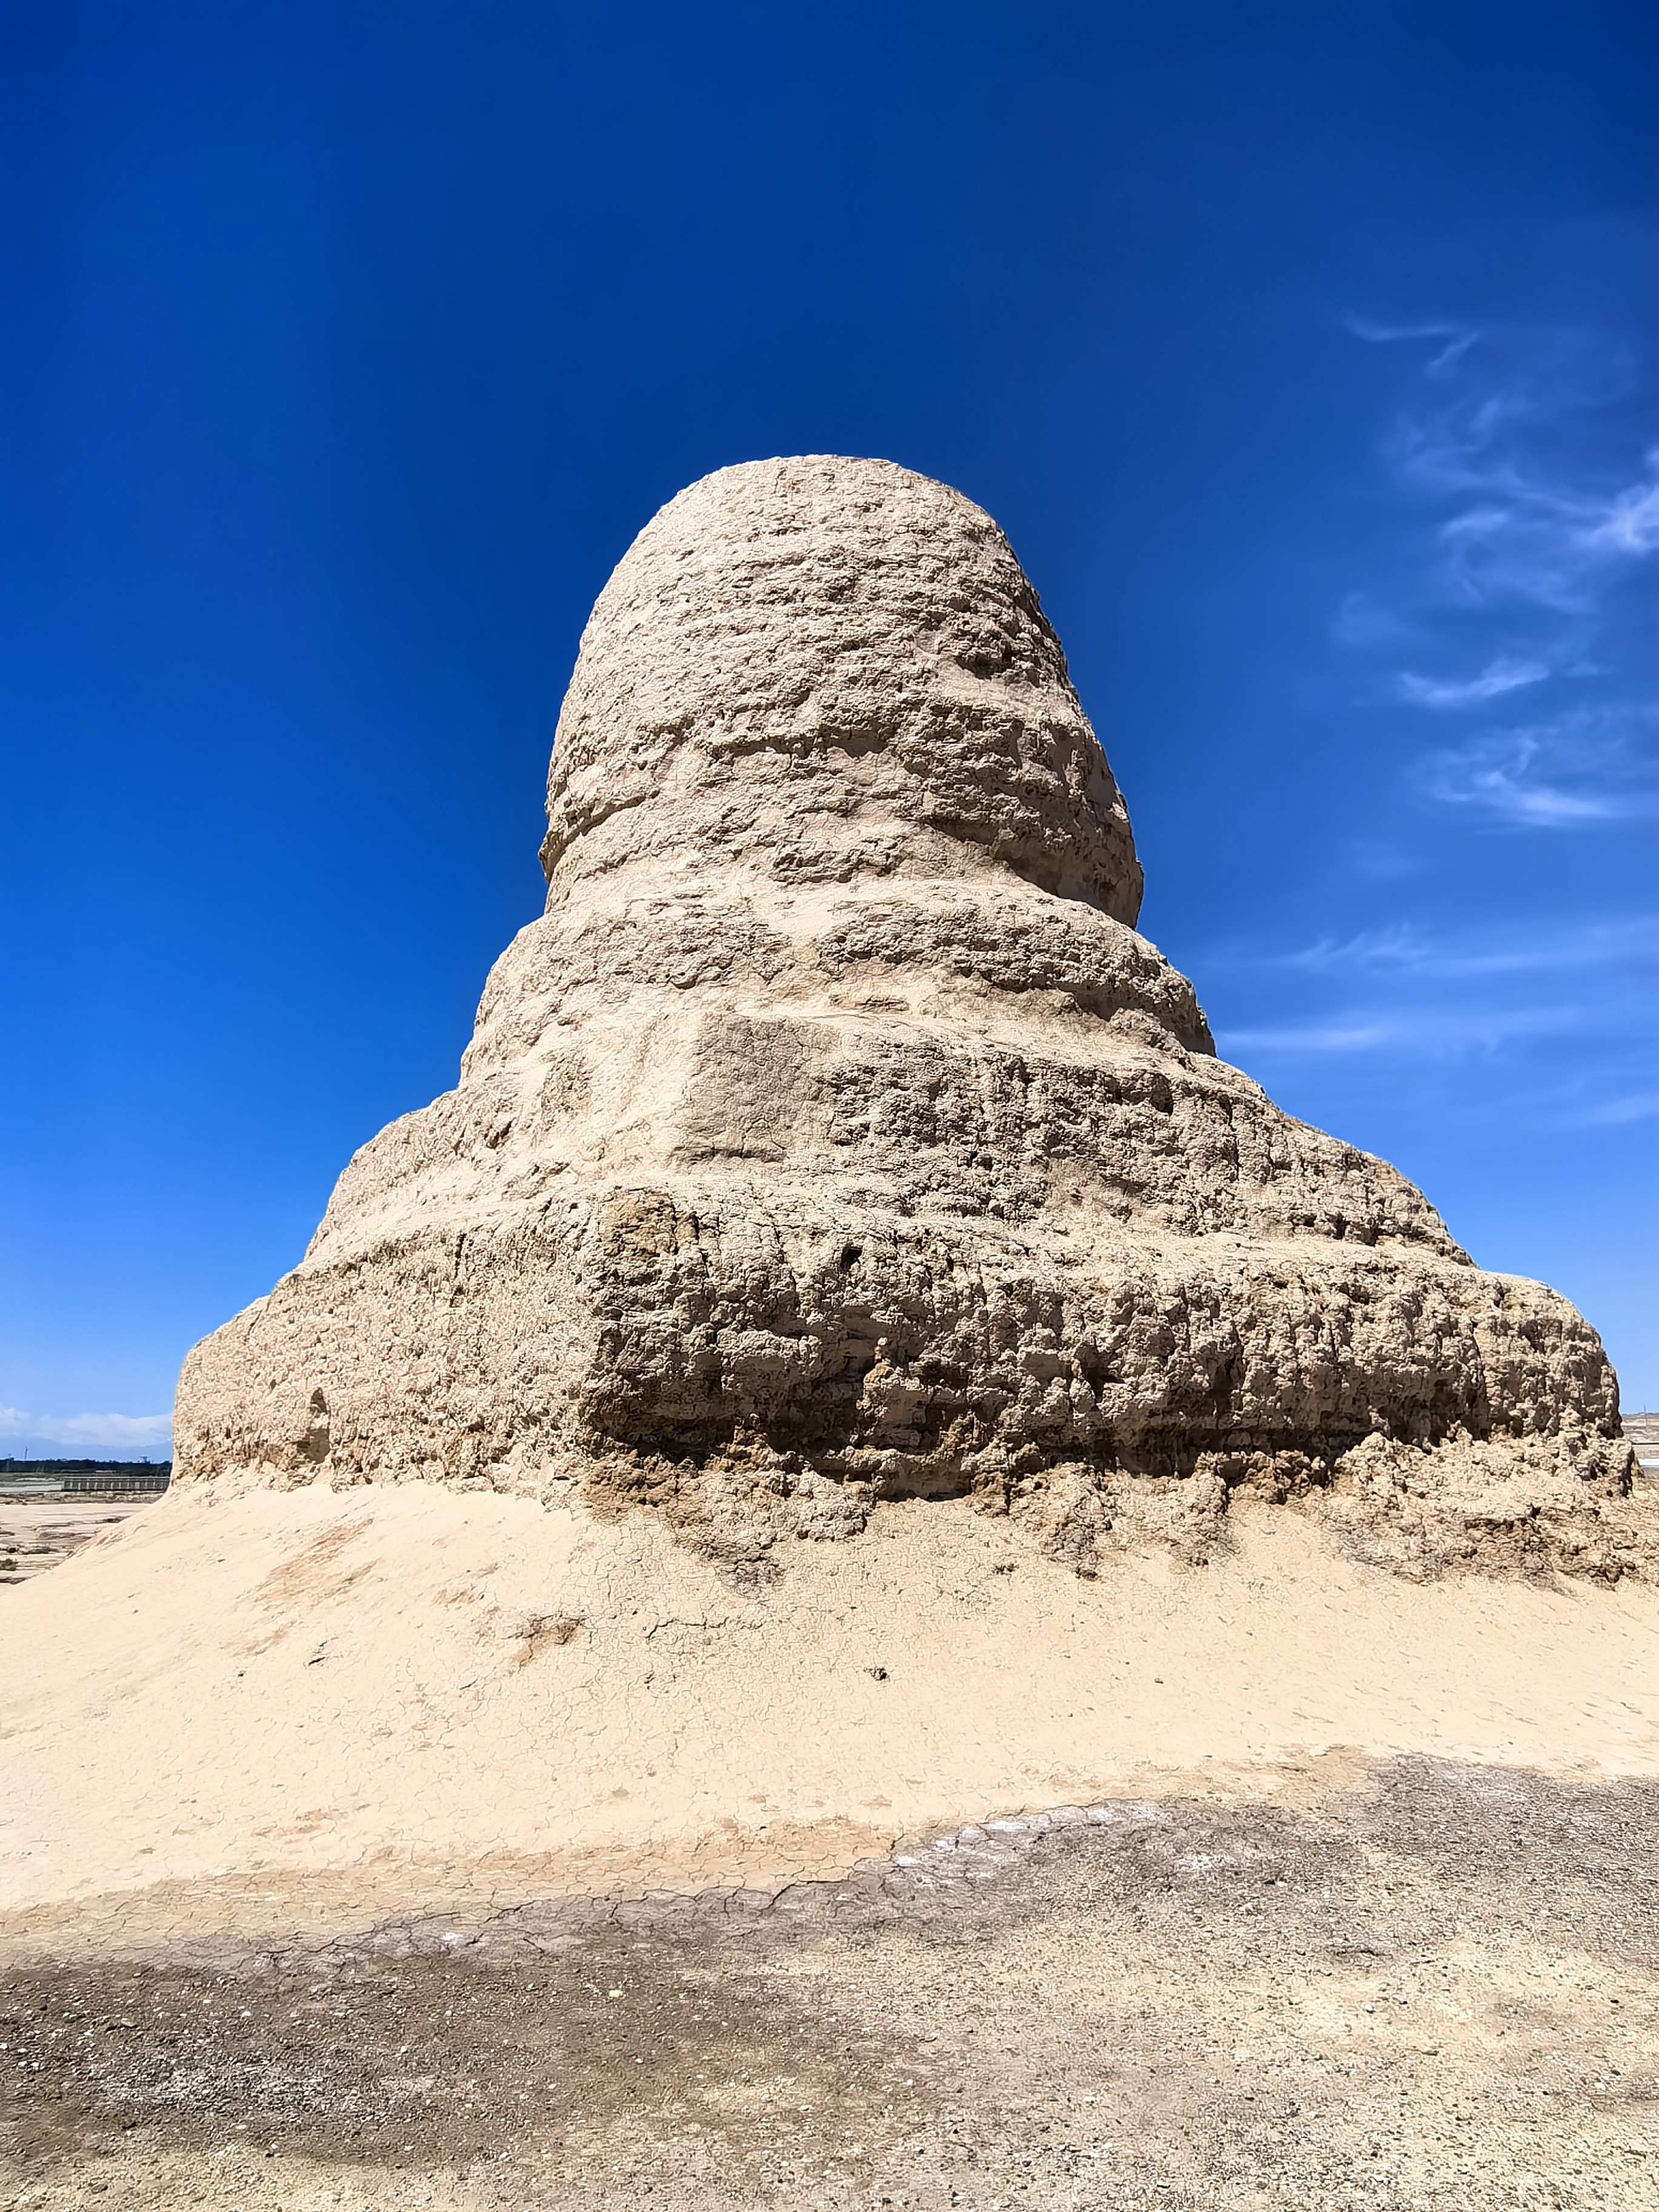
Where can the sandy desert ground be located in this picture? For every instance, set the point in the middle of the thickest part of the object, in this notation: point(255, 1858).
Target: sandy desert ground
point(236, 1711)
point(38, 1532)
point(403, 1847)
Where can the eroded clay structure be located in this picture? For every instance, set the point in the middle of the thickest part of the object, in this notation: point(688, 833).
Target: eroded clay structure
point(833, 1137)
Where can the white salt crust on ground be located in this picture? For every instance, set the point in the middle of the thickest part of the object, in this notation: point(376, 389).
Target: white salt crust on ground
point(306, 1709)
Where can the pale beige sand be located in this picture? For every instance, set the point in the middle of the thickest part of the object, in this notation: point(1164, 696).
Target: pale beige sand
point(313, 1706)
point(39, 1533)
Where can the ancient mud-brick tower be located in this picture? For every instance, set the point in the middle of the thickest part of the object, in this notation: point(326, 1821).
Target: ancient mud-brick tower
point(833, 1137)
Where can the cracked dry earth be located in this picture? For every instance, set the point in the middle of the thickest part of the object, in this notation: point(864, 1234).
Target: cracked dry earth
point(1436, 1987)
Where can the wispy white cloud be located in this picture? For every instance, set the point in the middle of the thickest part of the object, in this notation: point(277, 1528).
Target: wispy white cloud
point(1311, 1037)
point(1537, 501)
point(1562, 1007)
point(1376, 333)
point(1584, 768)
point(89, 1432)
point(1457, 336)
point(1364, 621)
point(1418, 1030)
point(1510, 600)
point(1525, 523)
point(1405, 949)
point(1379, 862)
point(1615, 1113)
point(1495, 679)
point(1494, 777)
point(1631, 524)
point(1514, 436)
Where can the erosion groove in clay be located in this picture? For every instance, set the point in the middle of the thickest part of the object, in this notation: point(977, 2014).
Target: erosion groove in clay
point(833, 1137)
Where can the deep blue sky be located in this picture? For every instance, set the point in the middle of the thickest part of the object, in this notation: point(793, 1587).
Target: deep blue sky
point(1307, 353)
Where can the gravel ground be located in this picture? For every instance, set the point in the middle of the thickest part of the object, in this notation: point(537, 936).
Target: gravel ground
point(1436, 1990)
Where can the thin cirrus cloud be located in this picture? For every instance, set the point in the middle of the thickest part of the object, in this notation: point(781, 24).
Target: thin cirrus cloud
point(1365, 623)
point(1493, 441)
point(1498, 677)
point(1529, 502)
point(1512, 999)
point(1449, 1033)
point(1630, 523)
point(1406, 949)
point(1507, 607)
point(1531, 541)
point(1617, 1113)
point(1584, 768)
point(1553, 1078)
point(1458, 338)
point(89, 1431)
point(1496, 779)
point(1302, 1039)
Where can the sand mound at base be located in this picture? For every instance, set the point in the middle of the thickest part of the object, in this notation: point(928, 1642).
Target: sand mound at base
point(329, 1705)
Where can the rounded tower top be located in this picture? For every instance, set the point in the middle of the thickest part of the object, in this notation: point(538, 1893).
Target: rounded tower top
point(816, 668)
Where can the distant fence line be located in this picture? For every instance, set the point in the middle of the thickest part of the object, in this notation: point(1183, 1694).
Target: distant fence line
point(111, 1485)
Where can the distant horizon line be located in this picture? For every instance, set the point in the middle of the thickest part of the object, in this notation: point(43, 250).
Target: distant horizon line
point(39, 1460)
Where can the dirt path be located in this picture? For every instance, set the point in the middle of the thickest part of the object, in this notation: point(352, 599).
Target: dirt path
point(1438, 1988)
